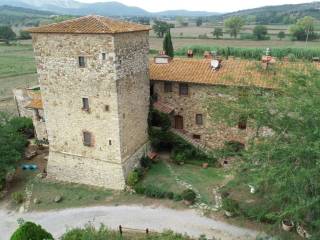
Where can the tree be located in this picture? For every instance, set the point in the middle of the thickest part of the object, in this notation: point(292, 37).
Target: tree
point(199, 21)
point(303, 30)
point(260, 32)
point(161, 27)
point(281, 35)
point(217, 32)
point(284, 164)
point(31, 231)
point(24, 35)
point(7, 34)
point(167, 45)
point(234, 25)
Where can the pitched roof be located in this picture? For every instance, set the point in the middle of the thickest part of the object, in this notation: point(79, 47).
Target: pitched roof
point(199, 71)
point(90, 24)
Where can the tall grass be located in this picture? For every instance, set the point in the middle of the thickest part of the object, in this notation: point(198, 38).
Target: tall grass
point(253, 53)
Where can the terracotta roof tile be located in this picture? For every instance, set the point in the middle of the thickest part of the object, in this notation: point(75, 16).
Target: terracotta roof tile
point(90, 24)
point(231, 73)
point(36, 100)
point(35, 104)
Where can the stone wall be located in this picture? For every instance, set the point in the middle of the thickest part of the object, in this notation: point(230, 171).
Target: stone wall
point(39, 125)
point(133, 91)
point(213, 134)
point(108, 84)
point(22, 99)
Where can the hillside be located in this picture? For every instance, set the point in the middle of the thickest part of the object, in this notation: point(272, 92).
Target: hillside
point(22, 16)
point(100, 8)
point(282, 14)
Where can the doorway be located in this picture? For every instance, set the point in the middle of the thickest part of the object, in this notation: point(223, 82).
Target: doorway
point(178, 120)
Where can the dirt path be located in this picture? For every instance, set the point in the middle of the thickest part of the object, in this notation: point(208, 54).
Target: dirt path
point(139, 217)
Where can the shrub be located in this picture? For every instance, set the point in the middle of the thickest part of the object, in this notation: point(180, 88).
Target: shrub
point(17, 197)
point(153, 191)
point(230, 205)
point(189, 195)
point(31, 231)
point(23, 125)
point(133, 178)
point(169, 195)
point(159, 119)
point(90, 232)
point(177, 197)
point(145, 162)
point(139, 189)
point(139, 171)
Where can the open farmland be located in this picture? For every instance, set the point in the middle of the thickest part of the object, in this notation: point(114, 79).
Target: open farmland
point(156, 43)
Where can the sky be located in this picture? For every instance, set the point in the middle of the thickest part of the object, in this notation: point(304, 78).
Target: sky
point(201, 5)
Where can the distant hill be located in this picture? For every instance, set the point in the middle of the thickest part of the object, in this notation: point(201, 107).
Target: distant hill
point(101, 8)
point(185, 13)
point(282, 14)
point(15, 16)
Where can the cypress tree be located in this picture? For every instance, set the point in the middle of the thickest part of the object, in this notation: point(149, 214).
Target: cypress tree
point(167, 45)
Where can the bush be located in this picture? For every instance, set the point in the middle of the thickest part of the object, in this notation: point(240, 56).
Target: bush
point(230, 205)
point(23, 125)
point(17, 197)
point(133, 178)
point(189, 195)
point(145, 162)
point(159, 119)
point(90, 232)
point(139, 189)
point(153, 191)
point(31, 231)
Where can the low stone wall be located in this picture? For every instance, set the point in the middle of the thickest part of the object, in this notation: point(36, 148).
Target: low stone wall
point(77, 169)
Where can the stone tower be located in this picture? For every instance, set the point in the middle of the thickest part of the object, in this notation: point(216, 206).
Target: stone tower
point(93, 74)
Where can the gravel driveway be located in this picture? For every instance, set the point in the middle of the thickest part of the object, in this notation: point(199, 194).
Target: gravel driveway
point(140, 217)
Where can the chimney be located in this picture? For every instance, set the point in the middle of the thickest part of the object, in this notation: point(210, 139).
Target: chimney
point(207, 55)
point(190, 53)
point(162, 58)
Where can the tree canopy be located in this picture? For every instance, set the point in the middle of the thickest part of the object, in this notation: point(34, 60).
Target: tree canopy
point(260, 32)
point(161, 27)
point(234, 25)
point(217, 32)
point(283, 165)
point(167, 45)
point(304, 29)
point(6, 34)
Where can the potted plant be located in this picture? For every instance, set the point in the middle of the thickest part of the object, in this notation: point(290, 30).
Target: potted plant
point(287, 225)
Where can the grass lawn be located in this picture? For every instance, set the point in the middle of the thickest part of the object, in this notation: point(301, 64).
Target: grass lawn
point(204, 180)
point(74, 195)
point(160, 176)
point(16, 60)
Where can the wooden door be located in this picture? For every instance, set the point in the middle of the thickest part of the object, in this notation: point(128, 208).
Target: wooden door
point(178, 122)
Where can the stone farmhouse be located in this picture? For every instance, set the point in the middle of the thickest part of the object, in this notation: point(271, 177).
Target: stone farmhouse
point(96, 81)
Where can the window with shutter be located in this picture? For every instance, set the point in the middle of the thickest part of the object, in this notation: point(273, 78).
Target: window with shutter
point(82, 62)
point(199, 119)
point(183, 89)
point(85, 104)
point(87, 139)
point(167, 87)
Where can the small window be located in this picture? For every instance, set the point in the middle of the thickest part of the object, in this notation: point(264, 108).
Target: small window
point(196, 136)
point(106, 108)
point(199, 119)
point(85, 104)
point(183, 89)
point(104, 56)
point(167, 87)
point(82, 62)
point(87, 139)
point(110, 143)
